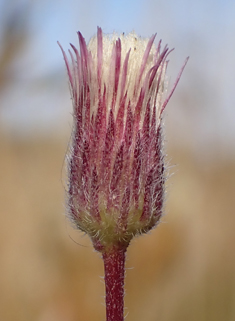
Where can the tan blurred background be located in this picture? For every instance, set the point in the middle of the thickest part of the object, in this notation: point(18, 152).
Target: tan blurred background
point(183, 270)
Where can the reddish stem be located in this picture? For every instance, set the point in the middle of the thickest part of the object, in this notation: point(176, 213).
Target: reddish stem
point(114, 269)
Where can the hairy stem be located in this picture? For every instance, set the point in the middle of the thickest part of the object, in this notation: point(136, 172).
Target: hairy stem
point(114, 269)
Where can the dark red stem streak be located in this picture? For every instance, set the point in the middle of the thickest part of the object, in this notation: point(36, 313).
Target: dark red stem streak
point(117, 66)
point(174, 86)
point(67, 64)
point(114, 268)
point(144, 60)
point(124, 74)
point(99, 55)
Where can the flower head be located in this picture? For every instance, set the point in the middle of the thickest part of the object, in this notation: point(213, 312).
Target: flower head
point(116, 165)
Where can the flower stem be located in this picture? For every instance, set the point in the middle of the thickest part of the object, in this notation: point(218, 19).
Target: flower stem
point(114, 269)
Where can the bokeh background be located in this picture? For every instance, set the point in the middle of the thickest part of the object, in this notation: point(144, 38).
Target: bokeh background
point(183, 270)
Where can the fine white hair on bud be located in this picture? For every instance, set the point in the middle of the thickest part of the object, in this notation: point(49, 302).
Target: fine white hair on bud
point(133, 49)
point(116, 164)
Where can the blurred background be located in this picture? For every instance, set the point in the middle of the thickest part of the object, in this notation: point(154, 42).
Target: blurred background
point(183, 270)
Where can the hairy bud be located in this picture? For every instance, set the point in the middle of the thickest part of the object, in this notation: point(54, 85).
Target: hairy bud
point(115, 164)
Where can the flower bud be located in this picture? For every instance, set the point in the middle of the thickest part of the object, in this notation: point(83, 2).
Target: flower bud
point(116, 165)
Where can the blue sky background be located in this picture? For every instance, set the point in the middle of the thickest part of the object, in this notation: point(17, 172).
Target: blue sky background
point(202, 111)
